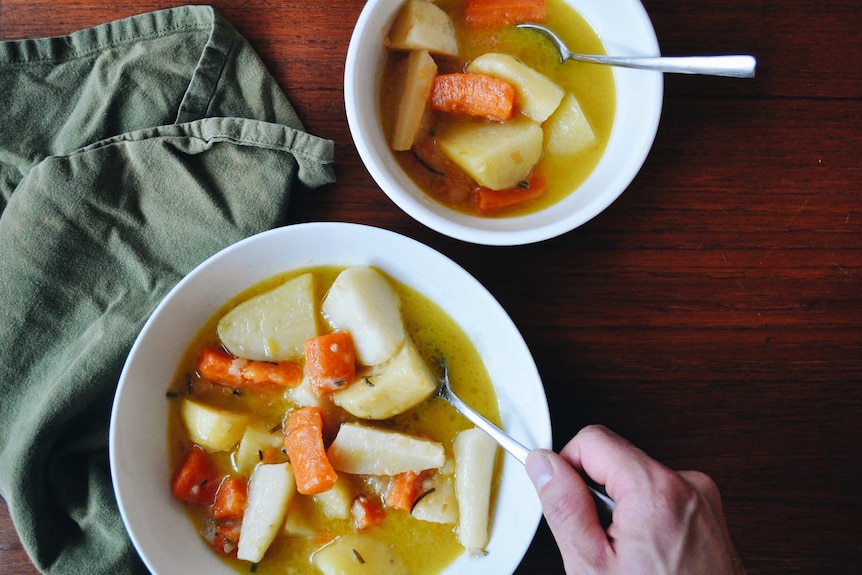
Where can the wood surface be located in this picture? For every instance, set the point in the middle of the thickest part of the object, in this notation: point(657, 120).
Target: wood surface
point(712, 315)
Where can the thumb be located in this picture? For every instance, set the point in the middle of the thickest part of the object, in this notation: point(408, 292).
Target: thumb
point(569, 510)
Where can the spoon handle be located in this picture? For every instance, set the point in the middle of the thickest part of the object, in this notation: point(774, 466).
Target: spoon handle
point(604, 504)
point(731, 66)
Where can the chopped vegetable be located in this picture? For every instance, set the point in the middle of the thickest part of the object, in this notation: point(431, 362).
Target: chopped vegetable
point(477, 95)
point(367, 450)
point(303, 440)
point(366, 512)
point(568, 130)
point(231, 498)
point(225, 535)
point(422, 25)
point(493, 13)
point(212, 428)
point(404, 489)
point(495, 200)
point(196, 479)
point(270, 490)
point(357, 554)
point(222, 368)
point(330, 361)
point(414, 91)
point(474, 471)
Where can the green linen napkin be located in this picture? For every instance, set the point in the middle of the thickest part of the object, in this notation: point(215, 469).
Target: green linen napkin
point(129, 153)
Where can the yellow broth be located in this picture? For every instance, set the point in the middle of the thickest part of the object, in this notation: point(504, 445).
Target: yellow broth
point(592, 85)
point(426, 548)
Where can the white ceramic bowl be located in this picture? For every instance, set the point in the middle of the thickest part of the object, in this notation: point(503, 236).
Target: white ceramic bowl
point(624, 28)
point(159, 528)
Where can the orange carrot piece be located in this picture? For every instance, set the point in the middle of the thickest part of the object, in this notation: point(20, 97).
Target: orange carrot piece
point(366, 512)
point(494, 13)
point(496, 200)
point(196, 479)
point(330, 361)
point(231, 498)
point(222, 368)
point(303, 441)
point(404, 489)
point(477, 95)
point(226, 536)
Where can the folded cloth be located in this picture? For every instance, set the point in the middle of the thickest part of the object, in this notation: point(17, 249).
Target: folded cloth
point(129, 153)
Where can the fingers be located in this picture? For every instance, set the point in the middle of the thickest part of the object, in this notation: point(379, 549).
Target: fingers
point(569, 510)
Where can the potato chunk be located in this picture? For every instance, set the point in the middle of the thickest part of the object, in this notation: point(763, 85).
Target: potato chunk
point(362, 302)
point(274, 325)
point(212, 428)
point(361, 449)
point(389, 388)
point(568, 130)
point(474, 470)
point(422, 25)
point(270, 490)
point(497, 156)
point(255, 441)
point(439, 504)
point(358, 554)
point(538, 96)
point(415, 89)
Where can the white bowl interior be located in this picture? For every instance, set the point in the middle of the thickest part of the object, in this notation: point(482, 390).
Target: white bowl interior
point(624, 28)
point(162, 533)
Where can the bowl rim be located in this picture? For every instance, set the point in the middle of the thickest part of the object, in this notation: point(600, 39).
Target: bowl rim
point(134, 398)
point(639, 96)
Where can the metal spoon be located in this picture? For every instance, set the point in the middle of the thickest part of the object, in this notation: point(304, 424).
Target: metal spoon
point(734, 66)
point(604, 504)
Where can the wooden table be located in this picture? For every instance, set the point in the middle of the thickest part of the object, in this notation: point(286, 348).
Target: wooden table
point(713, 314)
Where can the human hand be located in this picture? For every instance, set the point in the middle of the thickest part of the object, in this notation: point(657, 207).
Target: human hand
point(664, 522)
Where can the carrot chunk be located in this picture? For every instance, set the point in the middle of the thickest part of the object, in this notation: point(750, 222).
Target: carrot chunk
point(477, 95)
point(231, 498)
point(493, 13)
point(366, 512)
point(303, 441)
point(196, 479)
point(489, 200)
point(330, 361)
point(222, 368)
point(404, 489)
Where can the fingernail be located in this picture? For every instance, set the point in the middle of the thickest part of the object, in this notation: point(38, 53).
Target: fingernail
point(539, 468)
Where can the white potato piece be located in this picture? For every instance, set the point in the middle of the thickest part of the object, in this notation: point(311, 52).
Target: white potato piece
point(414, 91)
point(538, 96)
point(389, 388)
point(474, 471)
point(358, 554)
point(439, 505)
point(422, 25)
point(270, 490)
point(336, 501)
point(568, 130)
point(212, 428)
point(362, 302)
point(255, 440)
point(362, 449)
point(495, 155)
point(299, 520)
point(272, 326)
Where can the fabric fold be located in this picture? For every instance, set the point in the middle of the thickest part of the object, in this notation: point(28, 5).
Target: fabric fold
point(129, 153)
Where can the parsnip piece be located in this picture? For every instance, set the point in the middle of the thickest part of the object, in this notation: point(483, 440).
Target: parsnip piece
point(270, 490)
point(255, 440)
point(362, 302)
point(389, 388)
point(274, 325)
point(362, 449)
point(439, 505)
point(421, 25)
point(538, 96)
point(413, 94)
point(474, 470)
point(337, 500)
point(568, 130)
point(496, 155)
point(212, 428)
point(358, 554)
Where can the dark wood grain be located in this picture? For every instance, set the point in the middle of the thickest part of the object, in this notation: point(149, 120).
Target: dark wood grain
point(713, 314)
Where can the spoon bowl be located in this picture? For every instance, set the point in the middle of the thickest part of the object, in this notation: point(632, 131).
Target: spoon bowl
point(738, 66)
